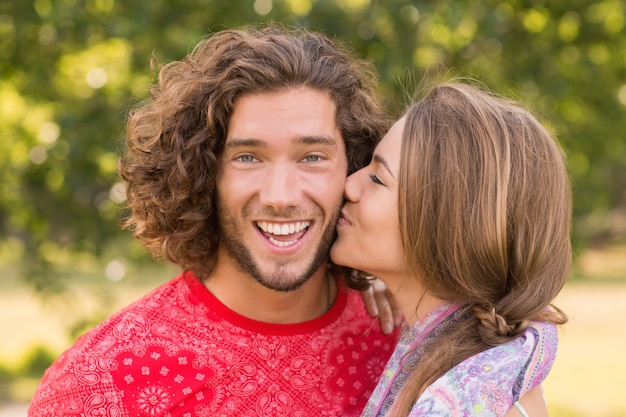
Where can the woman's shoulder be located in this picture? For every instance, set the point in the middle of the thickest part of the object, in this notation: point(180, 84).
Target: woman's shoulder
point(520, 364)
point(492, 380)
point(540, 342)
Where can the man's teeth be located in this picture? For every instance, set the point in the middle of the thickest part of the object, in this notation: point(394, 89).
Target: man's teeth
point(279, 229)
point(281, 243)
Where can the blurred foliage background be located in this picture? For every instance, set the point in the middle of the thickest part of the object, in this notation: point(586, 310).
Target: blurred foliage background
point(71, 69)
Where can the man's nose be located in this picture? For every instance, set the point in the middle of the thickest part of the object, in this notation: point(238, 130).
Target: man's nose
point(281, 187)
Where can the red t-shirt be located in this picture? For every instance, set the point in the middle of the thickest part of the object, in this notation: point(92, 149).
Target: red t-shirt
point(178, 351)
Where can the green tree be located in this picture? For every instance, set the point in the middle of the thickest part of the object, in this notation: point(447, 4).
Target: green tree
point(71, 69)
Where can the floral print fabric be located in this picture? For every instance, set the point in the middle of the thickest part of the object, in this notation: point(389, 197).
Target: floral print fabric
point(486, 384)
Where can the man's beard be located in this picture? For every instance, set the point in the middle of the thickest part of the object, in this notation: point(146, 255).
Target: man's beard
point(280, 279)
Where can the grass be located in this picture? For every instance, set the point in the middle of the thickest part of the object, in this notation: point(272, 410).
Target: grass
point(588, 377)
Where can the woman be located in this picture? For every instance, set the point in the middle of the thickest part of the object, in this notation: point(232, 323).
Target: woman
point(464, 213)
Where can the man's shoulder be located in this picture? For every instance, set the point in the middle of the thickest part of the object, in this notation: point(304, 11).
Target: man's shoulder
point(87, 366)
point(154, 303)
point(129, 323)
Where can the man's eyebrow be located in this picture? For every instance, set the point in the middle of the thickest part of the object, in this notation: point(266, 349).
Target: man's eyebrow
point(317, 140)
point(383, 162)
point(233, 143)
point(307, 140)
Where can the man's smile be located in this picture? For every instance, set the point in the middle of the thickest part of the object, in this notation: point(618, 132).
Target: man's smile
point(283, 234)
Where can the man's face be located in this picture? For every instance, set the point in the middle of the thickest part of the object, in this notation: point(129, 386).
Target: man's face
point(280, 185)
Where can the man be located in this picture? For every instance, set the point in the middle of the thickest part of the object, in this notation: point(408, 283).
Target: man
point(235, 172)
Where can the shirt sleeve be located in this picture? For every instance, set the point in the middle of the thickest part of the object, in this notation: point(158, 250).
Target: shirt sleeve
point(487, 384)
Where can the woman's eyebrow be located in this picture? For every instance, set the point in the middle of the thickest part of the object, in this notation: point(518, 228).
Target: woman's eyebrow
point(383, 162)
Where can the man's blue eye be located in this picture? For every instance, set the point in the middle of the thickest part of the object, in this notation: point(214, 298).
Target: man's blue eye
point(246, 158)
point(312, 158)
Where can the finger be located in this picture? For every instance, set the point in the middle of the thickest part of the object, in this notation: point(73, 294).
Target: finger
point(385, 304)
point(370, 301)
point(395, 309)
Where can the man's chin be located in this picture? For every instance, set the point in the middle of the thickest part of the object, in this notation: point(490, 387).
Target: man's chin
point(280, 273)
point(282, 281)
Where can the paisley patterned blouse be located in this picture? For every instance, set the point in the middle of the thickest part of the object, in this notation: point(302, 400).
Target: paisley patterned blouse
point(486, 384)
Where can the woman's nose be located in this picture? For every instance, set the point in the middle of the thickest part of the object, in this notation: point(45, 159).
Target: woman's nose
point(352, 190)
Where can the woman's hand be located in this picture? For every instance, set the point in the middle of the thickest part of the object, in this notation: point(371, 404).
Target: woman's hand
point(380, 303)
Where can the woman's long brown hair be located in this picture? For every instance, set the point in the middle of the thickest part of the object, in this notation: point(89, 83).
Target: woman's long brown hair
point(485, 212)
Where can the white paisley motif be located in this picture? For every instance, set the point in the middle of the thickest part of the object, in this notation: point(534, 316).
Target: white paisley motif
point(134, 326)
point(242, 379)
point(96, 405)
point(89, 370)
point(266, 346)
point(277, 405)
point(306, 372)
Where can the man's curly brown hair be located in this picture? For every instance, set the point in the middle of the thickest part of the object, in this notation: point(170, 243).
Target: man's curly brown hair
point(175, 139)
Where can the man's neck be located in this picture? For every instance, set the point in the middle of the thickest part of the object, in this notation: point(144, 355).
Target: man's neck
point(244, 295)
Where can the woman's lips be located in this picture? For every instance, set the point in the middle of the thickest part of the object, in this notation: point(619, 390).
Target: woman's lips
point(343, 219)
